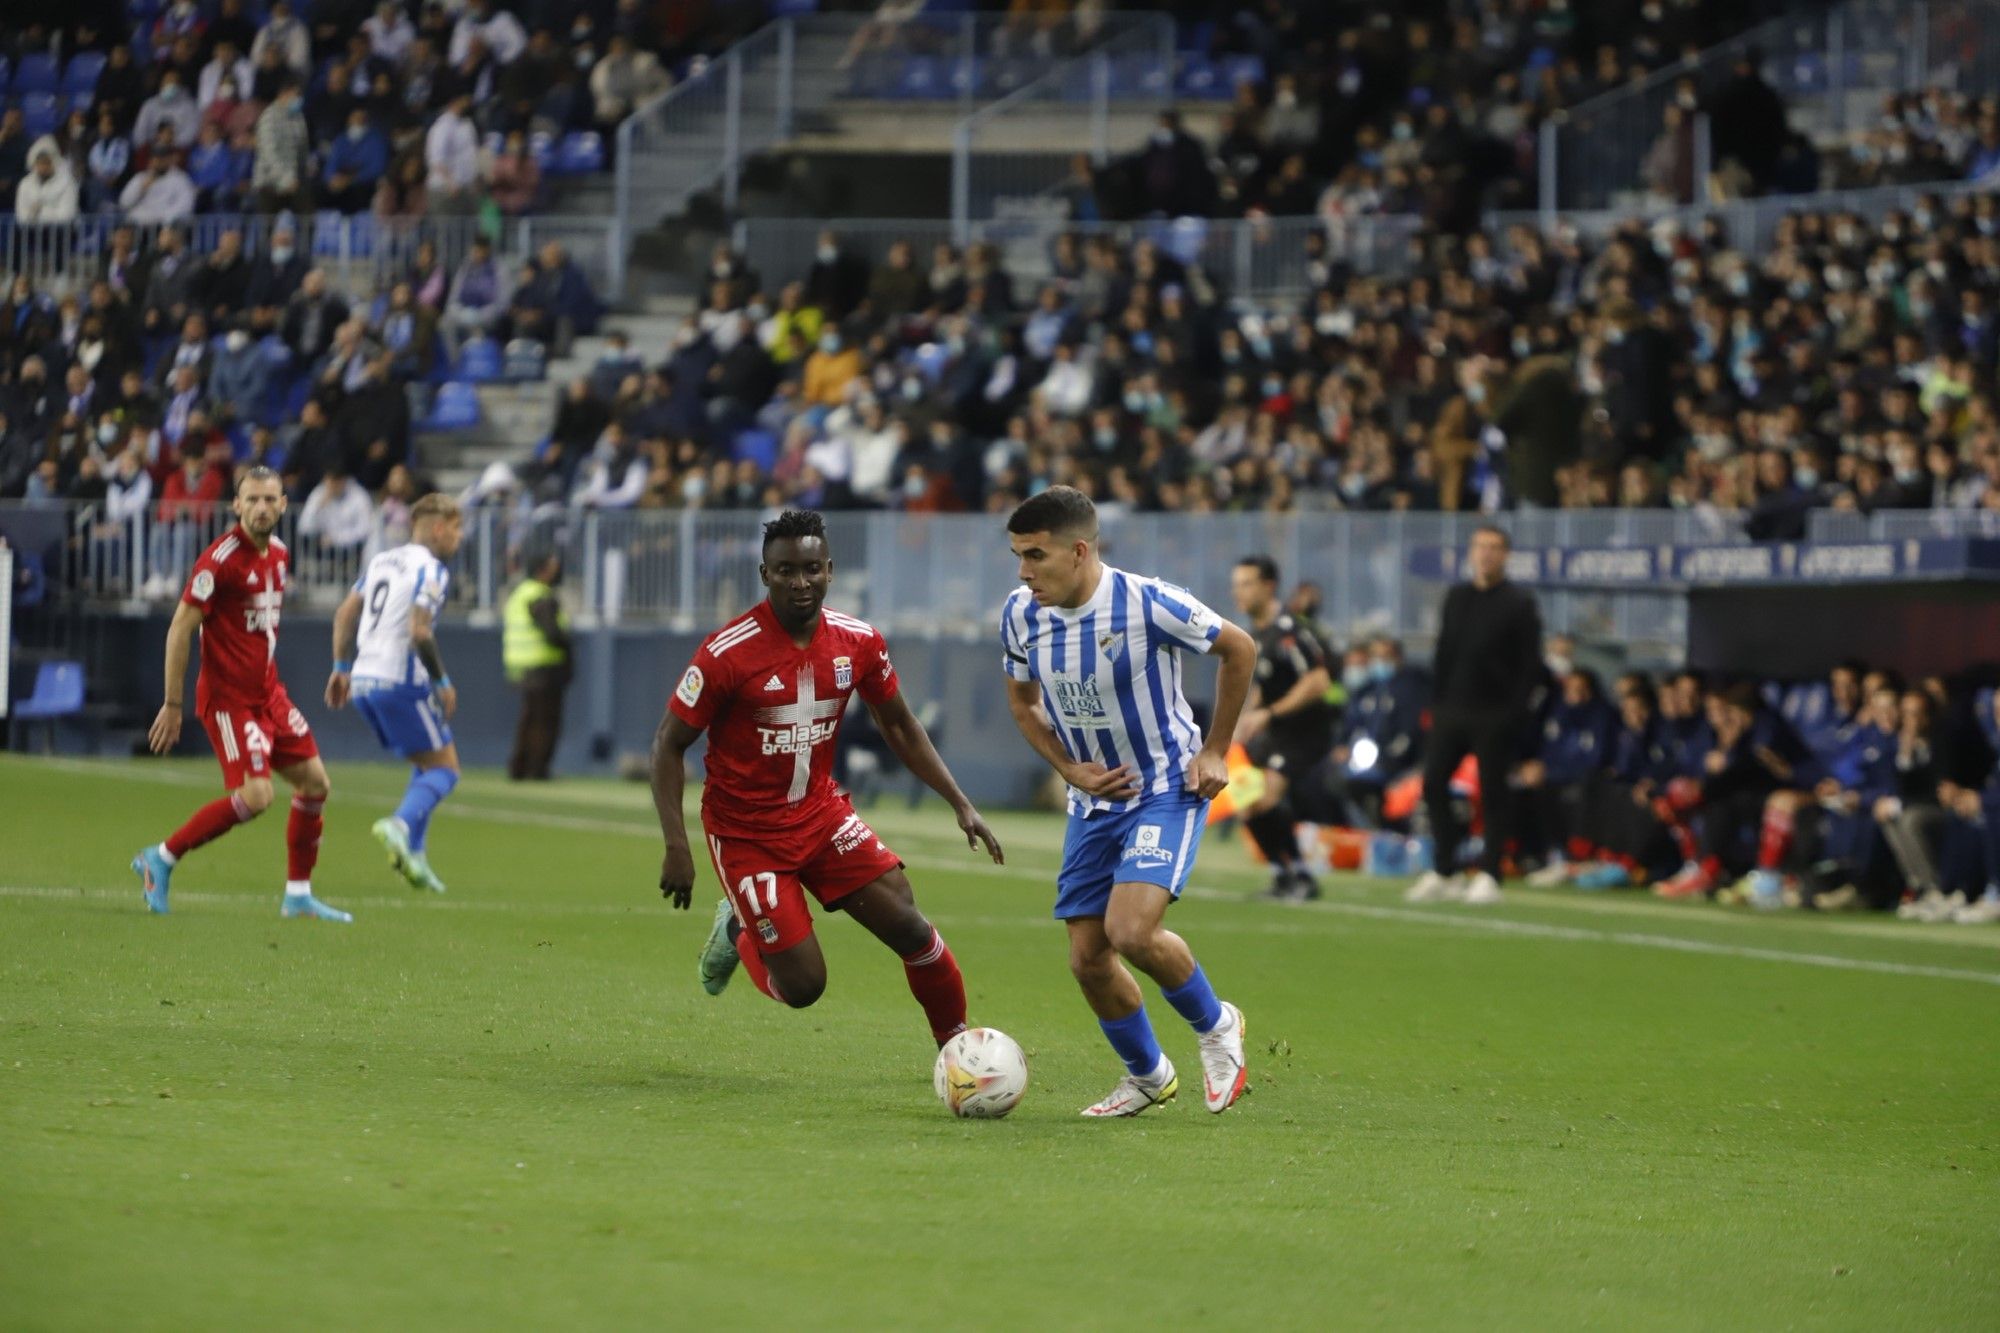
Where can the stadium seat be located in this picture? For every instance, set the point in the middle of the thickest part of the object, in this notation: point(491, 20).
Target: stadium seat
point(479, 361)
point(1239, 70)
point(758, 446)
point(58, 694)
point(582, 152)
point(80, 78)
point(42, 113)
point(787, 9)
point(1199, 79)
point(1988, 727)
point(920, 80)
point(526, 361)
point(6, 74)
point(36, 74)
point(456, 408)
point(542, 147)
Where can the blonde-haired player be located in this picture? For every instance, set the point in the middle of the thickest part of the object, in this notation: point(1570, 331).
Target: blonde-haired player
point(386, 659)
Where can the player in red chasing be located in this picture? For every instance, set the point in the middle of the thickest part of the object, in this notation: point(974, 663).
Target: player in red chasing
point(769, 687)
point(234, 596)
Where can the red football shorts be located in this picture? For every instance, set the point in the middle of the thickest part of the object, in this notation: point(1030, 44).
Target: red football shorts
point(767, 877)
point(252, 741)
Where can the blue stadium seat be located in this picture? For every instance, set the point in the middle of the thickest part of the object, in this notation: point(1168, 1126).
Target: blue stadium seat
point(42, 112)
point(786, 9)
point(759, 446)
point(526, 361)
point(920, 80)
point(1988, 726)
point(37, 74)
point(80, 78)
point(1196, 37)
point(582, 152)
point(456, 408)
point(479, 361)
point(1134, 76)
point(542, 147)
point(1199, 79)
point(143, 12)
point(6, 73)
point(1237, 70)
point(58, 693)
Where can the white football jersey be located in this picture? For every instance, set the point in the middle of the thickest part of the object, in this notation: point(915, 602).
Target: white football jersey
point(394, 582)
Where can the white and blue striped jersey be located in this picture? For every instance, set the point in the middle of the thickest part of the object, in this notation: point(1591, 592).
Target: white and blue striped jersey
point(1110, 674)
point(394, 582)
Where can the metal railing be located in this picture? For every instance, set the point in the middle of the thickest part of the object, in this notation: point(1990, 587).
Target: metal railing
point(781, 80)
point(1823, 62)
point(362, 254)
point(1255, 259)
point(1019, 151)
point(1749, 223)
point(940, 576)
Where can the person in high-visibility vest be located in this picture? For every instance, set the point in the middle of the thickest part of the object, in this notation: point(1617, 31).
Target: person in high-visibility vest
point(535, 648)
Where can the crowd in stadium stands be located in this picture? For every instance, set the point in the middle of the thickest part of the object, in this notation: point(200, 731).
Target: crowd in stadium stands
point(1861, 790)
point(1937, 134)
point(216, 106)
point(1842, 365)
point(1425, 108)
point(145, 388)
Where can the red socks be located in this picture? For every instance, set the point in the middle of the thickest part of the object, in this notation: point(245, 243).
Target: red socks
point(939, 987)
point(932, 972)
point(208, 823)
point(302, 837)
point(1775, 839)
point(753, 963)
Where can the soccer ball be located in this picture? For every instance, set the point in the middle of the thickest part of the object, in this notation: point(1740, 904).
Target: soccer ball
point(980, 1074)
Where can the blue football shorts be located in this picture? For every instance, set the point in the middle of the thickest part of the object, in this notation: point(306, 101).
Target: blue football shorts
point(406, 718)
point(1154, 842)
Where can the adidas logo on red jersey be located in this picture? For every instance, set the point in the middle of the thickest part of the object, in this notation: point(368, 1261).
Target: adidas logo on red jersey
point(773, 684)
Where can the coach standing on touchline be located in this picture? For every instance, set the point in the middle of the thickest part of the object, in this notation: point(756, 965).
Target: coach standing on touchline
point(1488, 663)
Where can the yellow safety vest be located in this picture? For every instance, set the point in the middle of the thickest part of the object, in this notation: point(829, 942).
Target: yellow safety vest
point(523, 646)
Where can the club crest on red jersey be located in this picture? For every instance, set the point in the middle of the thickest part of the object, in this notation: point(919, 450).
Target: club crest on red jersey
point(843, 673)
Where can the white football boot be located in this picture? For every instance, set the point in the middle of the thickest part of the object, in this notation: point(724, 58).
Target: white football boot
point(1224, 1076)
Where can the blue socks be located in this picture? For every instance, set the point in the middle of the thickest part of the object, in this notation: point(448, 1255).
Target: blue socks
point(427, 788)
point(1132, 1037)
point(1194, 1000)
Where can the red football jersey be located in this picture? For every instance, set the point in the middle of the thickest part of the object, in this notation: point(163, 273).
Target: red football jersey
point(771, 709)
point(240, 594)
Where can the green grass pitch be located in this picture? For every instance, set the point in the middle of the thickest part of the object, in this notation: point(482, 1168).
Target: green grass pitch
point(514, 1107)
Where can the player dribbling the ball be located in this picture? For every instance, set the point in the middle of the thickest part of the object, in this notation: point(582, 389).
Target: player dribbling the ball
point(769, 688)
point(1092, 656)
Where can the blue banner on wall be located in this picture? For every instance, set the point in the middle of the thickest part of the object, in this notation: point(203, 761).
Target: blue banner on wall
point(1678, 568)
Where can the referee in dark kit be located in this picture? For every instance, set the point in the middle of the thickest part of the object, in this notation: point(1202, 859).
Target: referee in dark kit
point(1290, 728)
point(1487, 667)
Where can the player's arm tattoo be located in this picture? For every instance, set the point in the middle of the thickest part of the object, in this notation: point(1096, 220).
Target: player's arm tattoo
point(347, 627)
point(424, 643)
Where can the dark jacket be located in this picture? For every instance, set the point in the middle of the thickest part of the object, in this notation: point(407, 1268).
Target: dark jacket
point(1489, 649)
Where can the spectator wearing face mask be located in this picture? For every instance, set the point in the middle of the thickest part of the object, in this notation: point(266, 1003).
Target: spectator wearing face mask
point(276, 275)
point(831, 367)
point(355, 164)
point(173, 108)
point(241, 379)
